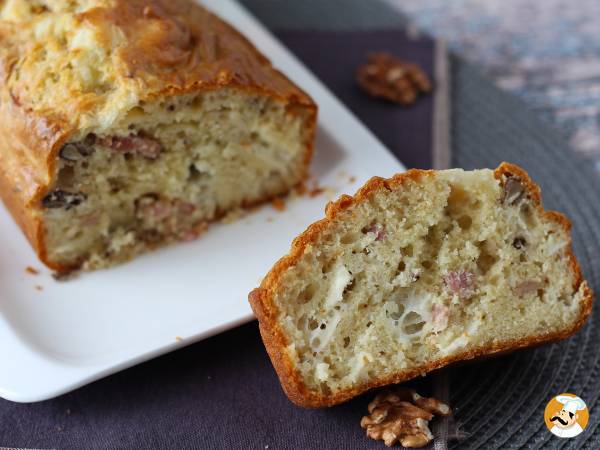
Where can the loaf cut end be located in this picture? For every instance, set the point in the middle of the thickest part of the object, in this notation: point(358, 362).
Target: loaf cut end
point(167, 169)
point(416, 272)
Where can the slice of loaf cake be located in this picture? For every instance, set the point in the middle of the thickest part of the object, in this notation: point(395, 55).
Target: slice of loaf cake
point(413, 273)
point(127, 124)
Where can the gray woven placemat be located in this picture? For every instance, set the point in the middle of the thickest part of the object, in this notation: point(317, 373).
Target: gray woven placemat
point(499, 403)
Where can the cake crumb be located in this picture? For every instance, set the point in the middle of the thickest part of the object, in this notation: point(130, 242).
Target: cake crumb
point(234, 215)
point(300, 189)
point(39, 287)
point(194, 233)
point(178, 338)
point(352, 179)
point(65, 276)
point(32, 270)
point(270, 219)
point(316, 191)
point(278, 204)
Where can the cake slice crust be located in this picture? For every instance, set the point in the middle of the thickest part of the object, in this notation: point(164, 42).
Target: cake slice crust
point(416, 272)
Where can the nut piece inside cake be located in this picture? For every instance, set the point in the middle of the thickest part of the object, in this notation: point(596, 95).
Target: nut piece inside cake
point(422, 270)
point(166, 170)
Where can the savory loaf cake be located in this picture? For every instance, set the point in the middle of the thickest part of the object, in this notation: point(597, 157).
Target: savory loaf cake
point(413, 273)
point(126, 124)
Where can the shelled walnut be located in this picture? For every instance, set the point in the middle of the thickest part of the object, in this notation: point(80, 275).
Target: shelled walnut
point(402, 415)
point(385, 76)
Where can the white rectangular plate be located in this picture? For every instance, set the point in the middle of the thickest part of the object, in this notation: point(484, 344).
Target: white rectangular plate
point(58, 336)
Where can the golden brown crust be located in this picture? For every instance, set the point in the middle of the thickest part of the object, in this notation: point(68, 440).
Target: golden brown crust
point(261, 299)
point(170, 47)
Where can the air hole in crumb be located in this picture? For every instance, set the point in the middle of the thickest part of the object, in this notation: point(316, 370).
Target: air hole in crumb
point(486, 259)
point(349, 286)
point(327, 266)
point(465, 222)
point(369, 323)
point(527, 215)
point(313, 324)
point(301, 322)
point(400, 310)
point(522, 258)
point(350, 238)
point(323, 326)
point(193, 173)
point(408, 250)
point(397, 315)
point(116, 184)
point(401, 266)
point(540, 294)
point(66, 176)
point(456, 199)
point(196, 102)
point(427, 264)
point(308, 293)
point(412, 323)
point(346, 342)
point(325, 389)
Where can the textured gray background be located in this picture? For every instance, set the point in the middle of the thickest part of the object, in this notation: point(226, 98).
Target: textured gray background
point(545, 51)
point(500, 403)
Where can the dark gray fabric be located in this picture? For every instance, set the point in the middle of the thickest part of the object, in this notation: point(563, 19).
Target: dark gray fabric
point(324, 14)
point(394, 126)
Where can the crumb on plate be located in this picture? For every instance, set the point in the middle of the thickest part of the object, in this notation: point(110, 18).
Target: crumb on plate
point(32, 270)
point(278, 203)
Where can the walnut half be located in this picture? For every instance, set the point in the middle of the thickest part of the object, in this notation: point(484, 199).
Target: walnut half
point(401, 415)
point(385, 76)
